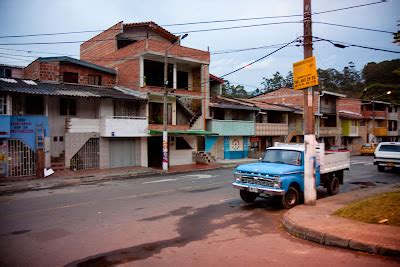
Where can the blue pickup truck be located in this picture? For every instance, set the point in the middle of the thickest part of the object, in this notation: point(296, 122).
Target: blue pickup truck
point(280, 173)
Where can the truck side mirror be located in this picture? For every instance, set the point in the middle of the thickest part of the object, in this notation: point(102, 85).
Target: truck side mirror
point(260, 159)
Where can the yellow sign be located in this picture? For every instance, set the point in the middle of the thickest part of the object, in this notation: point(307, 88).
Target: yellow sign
point(305, 73)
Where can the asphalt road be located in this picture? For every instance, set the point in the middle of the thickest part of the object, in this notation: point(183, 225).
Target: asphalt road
point(187, 219)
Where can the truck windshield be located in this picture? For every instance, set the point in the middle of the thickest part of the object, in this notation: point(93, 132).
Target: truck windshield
point(290, 157)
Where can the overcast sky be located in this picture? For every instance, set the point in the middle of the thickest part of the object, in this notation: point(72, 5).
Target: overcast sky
point(38, 16)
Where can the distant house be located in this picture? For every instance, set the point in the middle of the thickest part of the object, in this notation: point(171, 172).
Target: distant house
point(11, 71)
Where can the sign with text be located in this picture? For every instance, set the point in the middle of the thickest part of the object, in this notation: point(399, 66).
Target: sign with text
point(305, 73)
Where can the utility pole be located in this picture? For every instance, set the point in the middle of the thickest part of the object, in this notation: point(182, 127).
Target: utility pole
point(165, 115)
point(310, 193)
point(165, 106)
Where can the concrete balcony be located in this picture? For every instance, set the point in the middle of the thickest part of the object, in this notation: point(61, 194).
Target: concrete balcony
point(377, 114)
point(352, 131)
point(392, 133)
point(109, 126)
point(77, 125)
point(393, 116)
point(380, 131)
point(328, 131)
point(124, 126)
point(271, 129)
point(231, 127)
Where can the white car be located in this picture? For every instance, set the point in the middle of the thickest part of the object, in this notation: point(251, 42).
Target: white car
point(387, 154)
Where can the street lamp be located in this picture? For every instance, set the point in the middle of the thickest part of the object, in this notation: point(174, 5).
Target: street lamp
point(165, 111)
point(373, 108)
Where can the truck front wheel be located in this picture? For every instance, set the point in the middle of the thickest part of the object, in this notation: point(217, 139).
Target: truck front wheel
point(247, 196)
point(333, 186)
point(291, 198)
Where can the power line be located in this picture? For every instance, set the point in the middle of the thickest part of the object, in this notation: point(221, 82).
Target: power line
point(200, 22)
point(217, 52)
point(352, 27)
point(193, 31)
point(259, 59)
point(341, 44)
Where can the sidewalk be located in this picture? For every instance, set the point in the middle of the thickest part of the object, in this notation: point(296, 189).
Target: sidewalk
point(316, 223)
point(70, 178)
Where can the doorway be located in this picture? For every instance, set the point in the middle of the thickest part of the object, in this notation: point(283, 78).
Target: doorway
point(154, 151)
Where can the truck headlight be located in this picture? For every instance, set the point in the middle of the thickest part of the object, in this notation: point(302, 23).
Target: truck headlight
point(277, 182)
point(237, 176)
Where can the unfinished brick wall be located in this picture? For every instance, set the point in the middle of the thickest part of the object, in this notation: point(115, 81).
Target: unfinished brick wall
point(100, 45)
point(349, 104)
point(83, 73)
point(287, 96)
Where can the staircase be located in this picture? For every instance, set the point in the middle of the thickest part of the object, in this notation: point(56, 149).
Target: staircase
point(187, 108)
point(204, 157)
point(290, 136)
point(58, 163)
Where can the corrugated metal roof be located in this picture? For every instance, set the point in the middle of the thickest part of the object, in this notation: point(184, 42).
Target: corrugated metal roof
point(77, 62)
point(57, 89)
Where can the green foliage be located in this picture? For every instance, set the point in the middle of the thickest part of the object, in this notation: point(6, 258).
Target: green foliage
point(277, 81)
point(234, 90)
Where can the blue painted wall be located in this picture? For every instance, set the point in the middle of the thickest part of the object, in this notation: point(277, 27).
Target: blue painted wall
point(24, 128)
point(236, 154)
point(5, 126)
point(210, 142)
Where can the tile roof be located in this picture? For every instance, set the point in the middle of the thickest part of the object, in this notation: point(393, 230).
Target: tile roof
point(77, 62)
point(58, 89)
point(153, 26)
point(231, 103)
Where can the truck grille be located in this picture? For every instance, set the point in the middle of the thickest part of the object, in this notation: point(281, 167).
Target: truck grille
point(258, 181)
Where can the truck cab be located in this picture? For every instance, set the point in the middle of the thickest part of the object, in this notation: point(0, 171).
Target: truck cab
point(280, 173)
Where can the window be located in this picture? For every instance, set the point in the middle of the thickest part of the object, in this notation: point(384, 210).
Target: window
point(156, 113)
point(70, 77)
point(280, 156)
point(154, 73)
point(3, 104)
point(68, 106)
point(34, 105)
point(181, 143)
point(5, 73)
point(126, 108)
point(390, 148)
point(94, 79)
point(182, 80)
point(121, 43)
point(390, 109)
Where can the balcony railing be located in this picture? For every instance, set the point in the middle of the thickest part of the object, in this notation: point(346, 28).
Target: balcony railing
point(124, 126)
point(328, 131)
point(380, 131)
point(392, 133)
point(378, 113)
point(231, 127)
point(272, 129)
point(109, 126)
point(393, 116)
point(76, 125)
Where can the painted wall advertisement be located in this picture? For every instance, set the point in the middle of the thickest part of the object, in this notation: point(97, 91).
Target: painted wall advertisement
point(24, 128)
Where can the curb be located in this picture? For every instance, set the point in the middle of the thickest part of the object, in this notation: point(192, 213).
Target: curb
point(334, 240)
point(80, 180)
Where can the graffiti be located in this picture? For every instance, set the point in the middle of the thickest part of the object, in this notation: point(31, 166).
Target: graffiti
point(165, 151)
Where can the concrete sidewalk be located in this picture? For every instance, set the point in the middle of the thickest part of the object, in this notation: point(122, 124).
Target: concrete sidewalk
point(70, 178)
point(316, 223)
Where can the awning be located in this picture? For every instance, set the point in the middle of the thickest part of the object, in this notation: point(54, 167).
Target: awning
point(183, 132)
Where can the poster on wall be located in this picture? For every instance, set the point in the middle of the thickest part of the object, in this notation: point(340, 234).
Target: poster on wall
point(236, 144)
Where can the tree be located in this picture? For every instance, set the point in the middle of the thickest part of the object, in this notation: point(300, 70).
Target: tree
point(234, 91)
point(289, 80)
point(277, 81)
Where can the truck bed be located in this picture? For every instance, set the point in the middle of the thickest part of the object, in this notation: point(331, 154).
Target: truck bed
point(335, 161)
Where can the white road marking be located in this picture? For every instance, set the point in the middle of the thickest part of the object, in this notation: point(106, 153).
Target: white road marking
point(160, 181)
point(227, 199)
point(199, 176)
point(110, 199)
point(358, 162)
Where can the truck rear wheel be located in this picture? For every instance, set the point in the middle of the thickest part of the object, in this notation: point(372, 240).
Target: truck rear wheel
point(291, 198)
point(381, 168)
point(247, 196)
point(333, 186)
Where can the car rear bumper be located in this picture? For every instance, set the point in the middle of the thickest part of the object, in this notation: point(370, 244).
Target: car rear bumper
point(260, 189)
point(387, 163)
